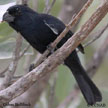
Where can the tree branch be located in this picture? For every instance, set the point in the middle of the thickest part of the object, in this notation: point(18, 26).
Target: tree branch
point(97, 59)
point(68, 27)
point(31, 96)
point(4, 71)
point(94, 64)
point(69, 8)
point(50, 7)
point(13, 65)
point(55, 59)
point(97, 36)
point(24, 51)
point(51, 93)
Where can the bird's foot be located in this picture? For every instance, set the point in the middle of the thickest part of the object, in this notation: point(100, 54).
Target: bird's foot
point(50, 48)
point(31, 67)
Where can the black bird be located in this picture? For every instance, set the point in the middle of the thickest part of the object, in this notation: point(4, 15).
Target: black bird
point(42, 29)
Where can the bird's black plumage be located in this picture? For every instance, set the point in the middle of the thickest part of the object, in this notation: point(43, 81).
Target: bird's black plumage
point(42, 29)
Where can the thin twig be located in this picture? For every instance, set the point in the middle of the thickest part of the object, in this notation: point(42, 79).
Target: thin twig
point(55, 59)
point(4, 71)
point(13, 64)
point(32, 95)
point(48, 6)
point(71, 23)
point(46, 10)
point(97, 36)
point(51, 99)
point(68, 27)
point(97, 59)
point(21, 55)
point(94, 64)
point(24, 51)
point(35, 5)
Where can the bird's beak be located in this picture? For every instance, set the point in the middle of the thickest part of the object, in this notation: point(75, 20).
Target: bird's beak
point(7, 17)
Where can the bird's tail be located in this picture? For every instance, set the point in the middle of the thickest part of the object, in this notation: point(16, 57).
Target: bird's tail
point(88, 88)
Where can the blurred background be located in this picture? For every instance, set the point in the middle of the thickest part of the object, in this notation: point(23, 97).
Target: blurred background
point(58, 91)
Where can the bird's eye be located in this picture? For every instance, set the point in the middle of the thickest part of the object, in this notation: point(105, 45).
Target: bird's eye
point(18, 11)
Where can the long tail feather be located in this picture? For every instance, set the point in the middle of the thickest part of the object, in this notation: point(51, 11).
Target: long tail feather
point(88, 88)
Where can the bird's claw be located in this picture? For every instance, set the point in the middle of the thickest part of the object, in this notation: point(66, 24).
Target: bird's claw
point(50, 48)
point(31, 67)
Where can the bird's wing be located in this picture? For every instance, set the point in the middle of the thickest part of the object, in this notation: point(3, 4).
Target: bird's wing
point(52, 27)
point(56, 26)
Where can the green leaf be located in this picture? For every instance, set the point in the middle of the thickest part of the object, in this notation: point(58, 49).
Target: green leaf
point(6, 1)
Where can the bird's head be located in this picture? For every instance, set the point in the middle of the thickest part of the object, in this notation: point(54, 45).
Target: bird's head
point(14, 12)
point(19, 16)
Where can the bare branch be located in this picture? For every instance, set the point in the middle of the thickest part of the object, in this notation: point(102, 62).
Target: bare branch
point(68, 27)
point(69, 8)
point(55, 59)
point(33, 93)
point(35, 4)
point(21, 55)
point(48, 6)
point(4, 71)
point(13, 64)
point(24, 51)
point(72, 23)
point(97, 36)
point(97, 59)
point(51, 95)
point(94, 64)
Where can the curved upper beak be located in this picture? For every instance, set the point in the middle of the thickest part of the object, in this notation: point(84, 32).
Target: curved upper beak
point(7, 17)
